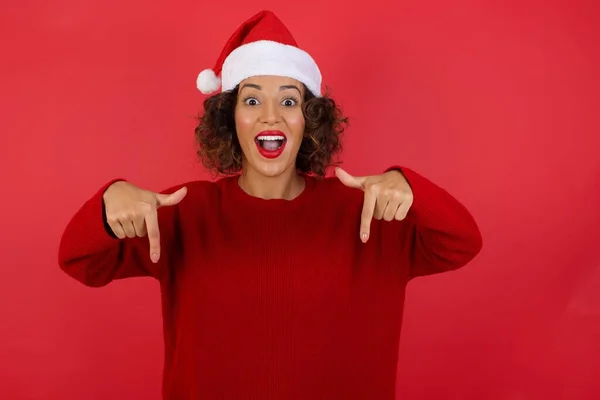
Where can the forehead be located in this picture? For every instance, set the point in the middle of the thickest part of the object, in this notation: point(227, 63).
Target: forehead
point(271, 81)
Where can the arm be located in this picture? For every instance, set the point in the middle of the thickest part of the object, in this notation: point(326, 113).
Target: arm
point(446, 236)
point(90, 252)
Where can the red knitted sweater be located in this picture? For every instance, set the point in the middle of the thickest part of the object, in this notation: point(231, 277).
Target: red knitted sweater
point(278, 299)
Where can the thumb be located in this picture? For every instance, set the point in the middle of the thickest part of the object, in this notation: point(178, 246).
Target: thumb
point(356, 182)
point(171, 199)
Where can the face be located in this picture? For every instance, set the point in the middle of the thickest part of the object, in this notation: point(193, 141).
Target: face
point(269, 123)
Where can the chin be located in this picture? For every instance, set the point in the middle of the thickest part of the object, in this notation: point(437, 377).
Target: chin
point(271, 168)
point(271, 165)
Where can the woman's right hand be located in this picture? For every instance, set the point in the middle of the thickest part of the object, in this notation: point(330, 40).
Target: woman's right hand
point(132, 211)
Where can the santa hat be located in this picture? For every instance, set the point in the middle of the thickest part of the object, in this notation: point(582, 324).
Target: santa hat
point(260, 46)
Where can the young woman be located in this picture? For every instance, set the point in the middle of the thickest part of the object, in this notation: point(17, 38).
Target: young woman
point(276, 282)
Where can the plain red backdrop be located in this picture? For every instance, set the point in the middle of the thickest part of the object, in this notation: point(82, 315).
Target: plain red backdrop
point(495, 101)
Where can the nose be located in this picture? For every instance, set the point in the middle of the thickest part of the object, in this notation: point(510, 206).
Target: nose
point(270, 114)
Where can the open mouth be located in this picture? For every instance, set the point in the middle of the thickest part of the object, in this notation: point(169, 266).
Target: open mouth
point(270, 144)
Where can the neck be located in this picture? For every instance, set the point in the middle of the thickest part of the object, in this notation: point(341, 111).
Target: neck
point(286, 186)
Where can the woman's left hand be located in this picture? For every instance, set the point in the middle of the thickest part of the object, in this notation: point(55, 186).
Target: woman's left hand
point(388, 196)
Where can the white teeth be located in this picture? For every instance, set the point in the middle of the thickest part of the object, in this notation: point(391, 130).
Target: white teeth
point(271, 138)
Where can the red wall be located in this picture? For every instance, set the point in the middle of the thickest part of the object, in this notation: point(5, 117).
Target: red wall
point(495, 101)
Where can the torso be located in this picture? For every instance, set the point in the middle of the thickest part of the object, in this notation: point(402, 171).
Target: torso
point(283, 298)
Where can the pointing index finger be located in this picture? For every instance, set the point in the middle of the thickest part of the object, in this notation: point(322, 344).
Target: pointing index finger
point(367, 215)
point(153, 235)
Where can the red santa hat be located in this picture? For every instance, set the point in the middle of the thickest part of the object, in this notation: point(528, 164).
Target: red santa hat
point(260, 46)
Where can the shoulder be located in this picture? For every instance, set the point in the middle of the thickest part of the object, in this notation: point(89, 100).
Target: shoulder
point(201, 191)
point(194, 187)
point(332, 189)
point(332, 185)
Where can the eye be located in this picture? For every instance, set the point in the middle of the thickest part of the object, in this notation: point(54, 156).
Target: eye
point(251, 101)
point(290, 102)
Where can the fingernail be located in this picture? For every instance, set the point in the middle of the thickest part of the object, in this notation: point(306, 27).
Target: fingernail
point(364, 236)
point(154, 257)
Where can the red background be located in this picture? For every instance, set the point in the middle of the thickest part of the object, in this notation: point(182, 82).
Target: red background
point(495, 101)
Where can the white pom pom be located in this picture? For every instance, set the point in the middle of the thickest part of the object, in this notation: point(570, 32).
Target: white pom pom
point(207, 81)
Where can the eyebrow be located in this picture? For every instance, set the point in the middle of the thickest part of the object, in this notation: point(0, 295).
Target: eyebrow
point(284, 87)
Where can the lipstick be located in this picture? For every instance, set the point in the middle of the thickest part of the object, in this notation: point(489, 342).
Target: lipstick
point(270, 144)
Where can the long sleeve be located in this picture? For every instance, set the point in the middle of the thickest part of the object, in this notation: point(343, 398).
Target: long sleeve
point(90, 253)
point(446, 235)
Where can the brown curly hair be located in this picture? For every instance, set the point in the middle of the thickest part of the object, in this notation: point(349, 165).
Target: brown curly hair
point(220, 151)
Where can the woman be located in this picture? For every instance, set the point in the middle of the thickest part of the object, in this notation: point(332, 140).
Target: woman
point(276, 282)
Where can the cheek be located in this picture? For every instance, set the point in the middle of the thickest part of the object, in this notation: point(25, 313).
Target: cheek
point(296, 123)
point(243, 124)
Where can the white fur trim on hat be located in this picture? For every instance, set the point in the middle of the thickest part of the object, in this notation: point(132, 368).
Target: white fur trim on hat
point(265, 57)
point(208, 81)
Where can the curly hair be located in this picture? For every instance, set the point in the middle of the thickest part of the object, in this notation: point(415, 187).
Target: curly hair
point(220, 151)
